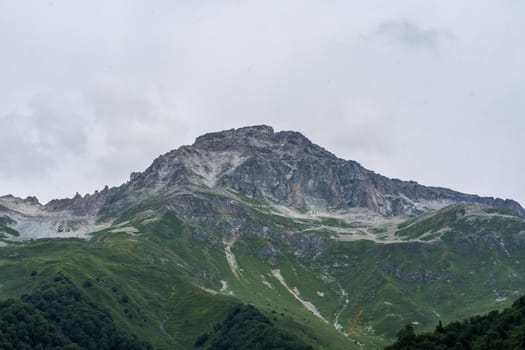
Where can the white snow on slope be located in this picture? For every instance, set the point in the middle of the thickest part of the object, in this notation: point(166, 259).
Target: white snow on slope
point(265, 282)
point(344, 296)
point(295, 292)
point(230, 257)
point(127, 229)
point(358, 223)
point(32, 222)
point(211, 166)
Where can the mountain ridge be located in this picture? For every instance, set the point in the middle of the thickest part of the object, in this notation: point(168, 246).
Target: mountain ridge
point(285, 166)
point(270, 219)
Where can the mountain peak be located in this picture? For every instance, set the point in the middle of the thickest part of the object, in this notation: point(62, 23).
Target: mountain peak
point(250, 135)
point(285, 167)
point(261, 139)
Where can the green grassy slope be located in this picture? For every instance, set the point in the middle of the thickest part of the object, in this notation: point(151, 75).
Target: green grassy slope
point(146, 298)
point(494, 330)
point(171, 282)
point(162, 286)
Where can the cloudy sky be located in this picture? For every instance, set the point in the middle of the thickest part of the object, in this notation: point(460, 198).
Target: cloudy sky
point(432, 91)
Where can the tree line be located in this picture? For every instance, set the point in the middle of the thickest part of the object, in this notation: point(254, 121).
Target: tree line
point(495, 330)
point(58, 315)
point(245, 327)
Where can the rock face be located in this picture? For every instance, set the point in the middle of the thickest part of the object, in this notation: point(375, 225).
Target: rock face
point(32, 220)
point(230, 197)
point(283, 166)
point(89, 205)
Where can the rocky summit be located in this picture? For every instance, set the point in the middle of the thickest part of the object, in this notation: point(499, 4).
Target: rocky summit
point(281, 168)
point(333, 255)
point(285, 167)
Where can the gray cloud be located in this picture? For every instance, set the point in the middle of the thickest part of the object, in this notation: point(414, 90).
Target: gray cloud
point(32, 140)
point(409, 33)
point(97, 137)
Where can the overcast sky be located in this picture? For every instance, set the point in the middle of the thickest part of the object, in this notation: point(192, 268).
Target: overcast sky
point(432, 91)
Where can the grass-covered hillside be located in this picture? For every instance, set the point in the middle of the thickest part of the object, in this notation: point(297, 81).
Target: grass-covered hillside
point(159, 284)
point(174, 281)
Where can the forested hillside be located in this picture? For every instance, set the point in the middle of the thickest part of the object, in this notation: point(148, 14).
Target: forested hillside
point(247, 328)
point(58, 315)
point(495, 330)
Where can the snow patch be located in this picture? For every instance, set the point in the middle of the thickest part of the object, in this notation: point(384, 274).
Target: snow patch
point(308, 305)
point(230, 257)
point(21, 206)
point(224, 288)
point(207, 290)
point(265, 282)
point(127, 229)
point(211, 166)
point(150, 220)
point(33, 222)
point(344, 296)
point(430, 205)
point(357, 224)
point(123, 223)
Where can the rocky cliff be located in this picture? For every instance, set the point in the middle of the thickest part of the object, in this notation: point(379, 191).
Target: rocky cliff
point(283, 166)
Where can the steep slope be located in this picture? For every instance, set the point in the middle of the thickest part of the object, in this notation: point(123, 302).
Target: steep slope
point(338, 255)
point(284, 166)
point(22, 219)
point(159, 283)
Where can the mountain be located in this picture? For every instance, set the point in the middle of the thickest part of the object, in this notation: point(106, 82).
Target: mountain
point(283, 166)
point(330, 252)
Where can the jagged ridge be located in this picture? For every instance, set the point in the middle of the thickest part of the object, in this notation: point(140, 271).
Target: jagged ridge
point(284, 166)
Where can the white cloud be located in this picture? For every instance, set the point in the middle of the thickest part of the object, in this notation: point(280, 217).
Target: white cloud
point(93, 91)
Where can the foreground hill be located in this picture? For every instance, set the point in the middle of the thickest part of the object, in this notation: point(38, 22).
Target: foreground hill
point(330, 253)
point(58, 315)
point(496, 330)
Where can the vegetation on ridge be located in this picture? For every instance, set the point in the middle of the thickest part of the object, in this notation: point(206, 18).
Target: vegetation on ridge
point(247, 328)
point(59, 315)
point(495, 330)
